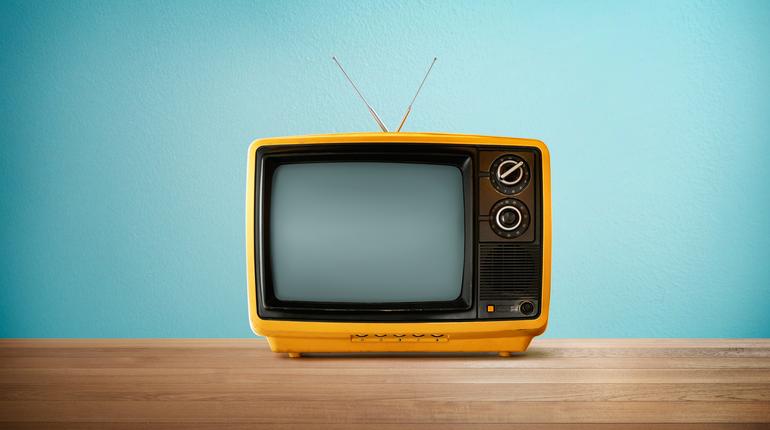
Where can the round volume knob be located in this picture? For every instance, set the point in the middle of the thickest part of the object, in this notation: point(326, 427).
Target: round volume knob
point(509, 218)
point(526, 308)
point(509, 174)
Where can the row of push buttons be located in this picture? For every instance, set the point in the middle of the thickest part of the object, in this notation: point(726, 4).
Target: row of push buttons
point(399, 338)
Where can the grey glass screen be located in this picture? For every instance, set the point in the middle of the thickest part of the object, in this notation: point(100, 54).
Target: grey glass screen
point(366, 232)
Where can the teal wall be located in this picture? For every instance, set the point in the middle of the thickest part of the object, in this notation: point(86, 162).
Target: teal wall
point(124, 128)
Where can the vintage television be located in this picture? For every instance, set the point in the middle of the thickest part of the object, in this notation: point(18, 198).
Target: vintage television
point(374, 242)
point(398, 242)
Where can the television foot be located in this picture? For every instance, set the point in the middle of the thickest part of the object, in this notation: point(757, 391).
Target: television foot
point(504, 354)
point(295, 354)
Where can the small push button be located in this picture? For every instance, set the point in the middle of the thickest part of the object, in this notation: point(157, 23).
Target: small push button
point(490, 308)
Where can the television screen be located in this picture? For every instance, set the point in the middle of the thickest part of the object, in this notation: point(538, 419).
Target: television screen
point(366, 232)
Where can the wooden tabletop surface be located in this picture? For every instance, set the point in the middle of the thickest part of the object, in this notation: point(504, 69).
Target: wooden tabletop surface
point(240, 384)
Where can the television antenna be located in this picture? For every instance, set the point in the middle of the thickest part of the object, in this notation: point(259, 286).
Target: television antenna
point(409, 108)
point(371, 109)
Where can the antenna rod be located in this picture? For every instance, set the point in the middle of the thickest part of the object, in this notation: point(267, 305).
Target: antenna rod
point(371, 110)
point(409, 108)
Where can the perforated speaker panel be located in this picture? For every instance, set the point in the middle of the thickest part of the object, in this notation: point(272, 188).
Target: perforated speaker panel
point(509, 271)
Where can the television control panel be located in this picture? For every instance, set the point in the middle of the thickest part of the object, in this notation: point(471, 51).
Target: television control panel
point(509, 238)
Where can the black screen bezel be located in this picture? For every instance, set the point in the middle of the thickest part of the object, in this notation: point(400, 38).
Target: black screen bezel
point(270, 157)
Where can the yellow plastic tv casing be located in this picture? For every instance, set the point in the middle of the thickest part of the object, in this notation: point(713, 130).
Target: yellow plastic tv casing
point(296, 337)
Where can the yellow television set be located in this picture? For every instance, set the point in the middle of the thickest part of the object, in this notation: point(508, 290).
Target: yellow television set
point(398, 242)
point(375, 242)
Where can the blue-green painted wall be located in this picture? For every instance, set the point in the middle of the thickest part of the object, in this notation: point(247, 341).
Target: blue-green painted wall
point(124, 128)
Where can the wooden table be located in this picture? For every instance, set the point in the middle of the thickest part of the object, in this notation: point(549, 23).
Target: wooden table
point(235, 384)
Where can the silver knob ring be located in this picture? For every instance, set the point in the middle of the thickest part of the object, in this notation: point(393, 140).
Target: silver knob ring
point(500, 223)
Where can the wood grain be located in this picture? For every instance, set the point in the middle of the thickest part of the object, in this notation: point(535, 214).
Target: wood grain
point(235, 384)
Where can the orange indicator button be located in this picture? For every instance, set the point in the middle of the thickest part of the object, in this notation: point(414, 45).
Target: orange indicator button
point(490, 308)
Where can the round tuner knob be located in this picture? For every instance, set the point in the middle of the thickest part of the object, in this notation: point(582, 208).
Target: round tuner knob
point(509, 218)
point(509, 174)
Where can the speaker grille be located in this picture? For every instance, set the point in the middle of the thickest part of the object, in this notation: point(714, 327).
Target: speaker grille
point(509, 271)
